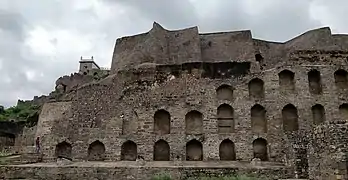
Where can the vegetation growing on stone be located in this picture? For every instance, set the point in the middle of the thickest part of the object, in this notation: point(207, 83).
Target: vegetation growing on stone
point(238, 177)
point(99, 74)
point(162, 176)
point(21, 112)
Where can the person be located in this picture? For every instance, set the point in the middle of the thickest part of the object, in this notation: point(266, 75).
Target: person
point(37, 142)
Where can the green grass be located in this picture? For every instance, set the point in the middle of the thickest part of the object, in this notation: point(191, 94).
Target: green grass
point(162, 176)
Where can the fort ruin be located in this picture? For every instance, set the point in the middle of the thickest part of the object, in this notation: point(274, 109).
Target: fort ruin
point(189, 103)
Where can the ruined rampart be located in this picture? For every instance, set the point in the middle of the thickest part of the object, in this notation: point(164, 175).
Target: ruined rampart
point(214, 100)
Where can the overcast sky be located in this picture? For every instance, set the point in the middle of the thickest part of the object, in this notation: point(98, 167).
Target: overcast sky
point(41, 40)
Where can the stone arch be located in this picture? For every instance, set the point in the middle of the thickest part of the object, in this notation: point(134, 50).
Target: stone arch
point(225, 118)
point(129, 151)
point(290, 118)
point(194, 151)
point(63, 150)
point(256, 89)
point(260, 149)
point(341, 78)
point(286, 80)
point(162, 122)
point(224, 92)
point(318, 113)
point(194, 122)
point(226, 150)
point(96, 151)
point(314, 82)
point(161, 151)
point(343, 109)
point(258, 119)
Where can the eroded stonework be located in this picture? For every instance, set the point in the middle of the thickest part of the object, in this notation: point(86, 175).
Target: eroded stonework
point(183, 96)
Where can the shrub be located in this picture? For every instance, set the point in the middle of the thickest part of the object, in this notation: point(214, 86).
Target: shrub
point(161, 176)
point(238, 177)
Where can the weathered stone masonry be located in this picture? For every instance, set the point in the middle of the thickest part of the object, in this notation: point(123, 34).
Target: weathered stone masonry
point(184, 96)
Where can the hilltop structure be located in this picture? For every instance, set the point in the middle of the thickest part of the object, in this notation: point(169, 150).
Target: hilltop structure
point(190, 103)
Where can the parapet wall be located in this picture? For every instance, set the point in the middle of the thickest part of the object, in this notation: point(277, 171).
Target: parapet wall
point(227, 46)
point(137, 171)
point(162, 47)
point(158, 46)
point(65, 84)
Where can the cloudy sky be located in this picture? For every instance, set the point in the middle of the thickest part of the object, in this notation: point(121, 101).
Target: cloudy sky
point(41, 40)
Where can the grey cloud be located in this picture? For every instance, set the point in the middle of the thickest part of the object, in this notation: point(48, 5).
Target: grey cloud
point(280, 21)
point(175, 14)
point(284, 20)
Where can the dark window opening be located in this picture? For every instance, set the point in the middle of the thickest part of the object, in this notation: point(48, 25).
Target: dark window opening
point(290, 118)
point(129, 151)
point(194, 151)
point(314, 82)
point(260, 149)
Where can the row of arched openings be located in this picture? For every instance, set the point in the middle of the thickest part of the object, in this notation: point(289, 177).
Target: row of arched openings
point(286, 82)
point(225, 117)
point(194, 150)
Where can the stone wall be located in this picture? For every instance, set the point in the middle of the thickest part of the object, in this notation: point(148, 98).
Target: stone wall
point(267, 111)
point(227, 46)
point(102, 111)
point(25, 141)
point(329, 151)
point(54, 126)
point(65, 84)
point(135, 171)
point(158, 46)
point(9, 131)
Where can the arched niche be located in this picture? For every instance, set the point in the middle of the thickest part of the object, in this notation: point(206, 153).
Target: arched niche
point(63, 150)
point(225, 118)
point(129, 151)
point(162, 122)
point(227, 150)
point(286, 80)
point(194, 122)
point(224, 92)
point(194, 151)
point(161, 151)
point(260, 149)
point(256, 88)
point(314, 82)
point(258, 119)
point(96, 151)
point(318, 114)
point(343, 109)
point(341, 79)
point(290, 118)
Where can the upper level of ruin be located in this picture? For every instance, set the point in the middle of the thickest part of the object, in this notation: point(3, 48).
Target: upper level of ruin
point(164, 47)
